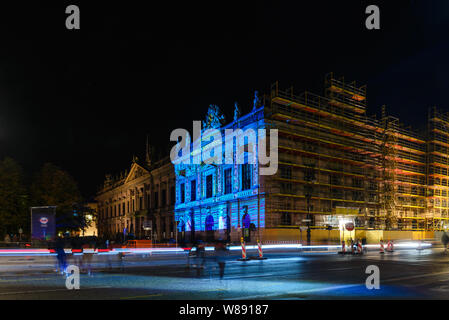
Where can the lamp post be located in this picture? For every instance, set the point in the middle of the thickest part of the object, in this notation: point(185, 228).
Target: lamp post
point(176, 233)
point(308, 195)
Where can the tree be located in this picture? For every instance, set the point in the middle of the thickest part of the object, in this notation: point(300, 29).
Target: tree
point(53, 186)
point(14, 212)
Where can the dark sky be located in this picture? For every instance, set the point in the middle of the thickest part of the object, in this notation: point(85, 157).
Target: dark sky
point(86, 99)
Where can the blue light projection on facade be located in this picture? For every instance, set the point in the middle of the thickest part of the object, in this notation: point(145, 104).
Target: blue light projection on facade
point(226, 200)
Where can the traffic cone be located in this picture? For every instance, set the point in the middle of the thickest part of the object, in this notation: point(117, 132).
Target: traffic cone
point(390, 247)
point(259, 247)
point(359, 247)
point(244, 257)
point(382, 250)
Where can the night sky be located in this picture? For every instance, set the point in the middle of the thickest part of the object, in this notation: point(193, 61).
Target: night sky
point(86, 99)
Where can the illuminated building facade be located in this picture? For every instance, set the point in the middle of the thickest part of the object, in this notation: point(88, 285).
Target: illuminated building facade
point(222, 201)
point(139, 201)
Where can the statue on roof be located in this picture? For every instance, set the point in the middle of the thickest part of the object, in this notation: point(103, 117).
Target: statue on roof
point(237, 112)
point(214, 118)
point(257, 103)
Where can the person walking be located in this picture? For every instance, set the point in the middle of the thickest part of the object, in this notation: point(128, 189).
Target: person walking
point(60, 255)
point(445, 240)
point(220, 253)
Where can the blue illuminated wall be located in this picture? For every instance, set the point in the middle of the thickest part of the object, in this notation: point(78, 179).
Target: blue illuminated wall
point(220, 205)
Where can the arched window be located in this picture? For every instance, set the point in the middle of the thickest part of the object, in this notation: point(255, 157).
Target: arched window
point(182, 226)
point(246, 221)
point(209, 223)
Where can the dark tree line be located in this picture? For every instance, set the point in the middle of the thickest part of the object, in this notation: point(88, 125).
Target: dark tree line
point(51, 186)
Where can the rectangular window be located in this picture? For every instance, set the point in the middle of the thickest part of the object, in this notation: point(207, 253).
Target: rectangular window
point(164, 198)
point(172, 195)
point(209, 186)
point(228, 180)
point(286, 173)
point(246, 176)
point(183, 193)
point(193, 190)
point(156, 199)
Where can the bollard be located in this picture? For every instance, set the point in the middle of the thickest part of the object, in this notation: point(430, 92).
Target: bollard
point(244, 257)
point(390, 247)
point(382, 250)
point(359, 247)
point(259, 247)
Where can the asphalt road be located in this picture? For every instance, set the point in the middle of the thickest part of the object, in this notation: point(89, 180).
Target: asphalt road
point(404, 274)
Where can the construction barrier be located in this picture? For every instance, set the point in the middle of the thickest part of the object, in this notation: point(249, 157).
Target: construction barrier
point(382, 249)
point(390, 246)
point(244, 257)
point(359, 247)
point(259, 247)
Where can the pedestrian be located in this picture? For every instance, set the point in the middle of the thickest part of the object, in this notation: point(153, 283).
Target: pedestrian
point(445, 240)
point(60, 255)
point(201, 253)
point(220, 253)
point(195, 246)
point(200, 256)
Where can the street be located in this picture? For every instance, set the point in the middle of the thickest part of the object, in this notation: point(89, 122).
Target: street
point(287, 274)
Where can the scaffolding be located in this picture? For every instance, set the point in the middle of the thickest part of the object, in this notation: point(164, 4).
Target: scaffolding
point(336, 156)
point(326, 152)
point(388, 168)
point(437, 169)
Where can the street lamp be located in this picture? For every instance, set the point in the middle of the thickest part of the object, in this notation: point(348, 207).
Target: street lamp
point(308, 195)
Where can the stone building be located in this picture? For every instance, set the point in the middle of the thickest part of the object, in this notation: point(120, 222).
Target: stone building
point(140, 201)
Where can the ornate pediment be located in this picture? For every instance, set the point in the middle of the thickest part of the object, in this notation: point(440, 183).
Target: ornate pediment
point(136, 172)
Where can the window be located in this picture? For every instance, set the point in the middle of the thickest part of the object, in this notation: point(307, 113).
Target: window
point(164, 198)
point(286, 173)
point(183, 193)
point(209, 186)
point(193, 190)
point(156, 199)
point(172, 195)
point(286, 188)
point(246, 176)
point(228, 181)
point(286, 219)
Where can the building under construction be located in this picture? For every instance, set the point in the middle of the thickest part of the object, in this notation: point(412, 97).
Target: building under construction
point(338, 164)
